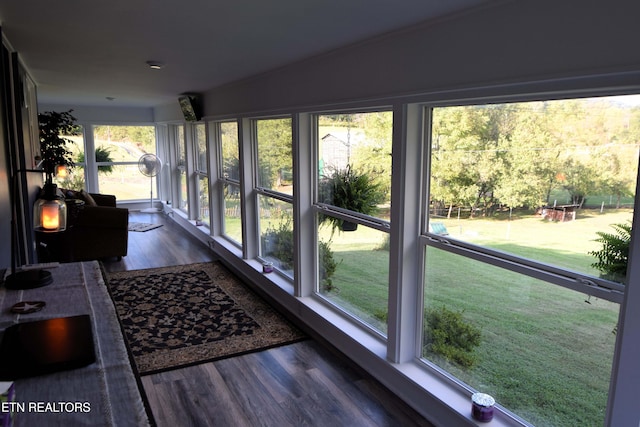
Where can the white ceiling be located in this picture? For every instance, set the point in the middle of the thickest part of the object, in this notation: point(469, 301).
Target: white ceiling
point(80, 52)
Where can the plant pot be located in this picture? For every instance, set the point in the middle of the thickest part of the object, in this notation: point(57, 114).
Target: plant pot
point(349, 226)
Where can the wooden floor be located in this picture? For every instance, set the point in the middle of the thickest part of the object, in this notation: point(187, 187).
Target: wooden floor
point(302, 384)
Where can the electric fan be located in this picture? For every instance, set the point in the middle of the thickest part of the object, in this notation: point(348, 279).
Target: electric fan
point(150, 165)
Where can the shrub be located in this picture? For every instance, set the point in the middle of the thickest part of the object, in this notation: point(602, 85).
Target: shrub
point(328, 266)
point(614, 255)
point(277, 242)
point(447, 334)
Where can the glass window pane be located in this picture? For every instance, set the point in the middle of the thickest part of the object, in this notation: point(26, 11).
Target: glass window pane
point(536, 179)
point(123, 143)
point(354, 152)
point(232, 213)
point(203, 200)
point(229, 147)
point(201, 146)
point(184, 203)
point(178, 136)
point(127, 183)
point(275, 159)
point(276, 233)
point(543, 351)
point(354, 271)
point(73, 178)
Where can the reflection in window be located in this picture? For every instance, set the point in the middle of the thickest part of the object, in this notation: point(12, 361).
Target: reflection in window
point(543, 351)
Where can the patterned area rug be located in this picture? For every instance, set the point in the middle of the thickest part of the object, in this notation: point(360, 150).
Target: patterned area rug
point(178, 316)
point(142, 226)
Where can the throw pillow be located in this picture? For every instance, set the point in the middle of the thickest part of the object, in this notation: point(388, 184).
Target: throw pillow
point(88, 200)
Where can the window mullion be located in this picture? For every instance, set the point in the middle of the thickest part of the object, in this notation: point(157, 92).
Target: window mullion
point(405, 264)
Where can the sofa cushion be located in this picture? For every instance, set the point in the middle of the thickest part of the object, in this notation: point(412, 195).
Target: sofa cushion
point(88, 199)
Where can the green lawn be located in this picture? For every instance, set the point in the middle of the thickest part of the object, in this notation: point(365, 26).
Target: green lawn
point(543, 346)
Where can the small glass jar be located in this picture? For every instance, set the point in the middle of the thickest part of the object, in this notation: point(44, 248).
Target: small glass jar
point(267, 267)
point(482, 407)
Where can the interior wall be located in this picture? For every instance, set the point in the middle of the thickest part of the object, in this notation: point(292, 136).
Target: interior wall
point(99, 115)
point(509, 42)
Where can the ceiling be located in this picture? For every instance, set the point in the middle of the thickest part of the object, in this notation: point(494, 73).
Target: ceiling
point(94, 53)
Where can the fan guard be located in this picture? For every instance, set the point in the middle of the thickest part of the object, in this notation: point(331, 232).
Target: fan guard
point(150, 165)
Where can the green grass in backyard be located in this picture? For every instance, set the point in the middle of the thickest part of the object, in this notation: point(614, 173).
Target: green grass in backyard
point(543, 346)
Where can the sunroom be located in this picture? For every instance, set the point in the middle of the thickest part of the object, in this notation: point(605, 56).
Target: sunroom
point(455, 136)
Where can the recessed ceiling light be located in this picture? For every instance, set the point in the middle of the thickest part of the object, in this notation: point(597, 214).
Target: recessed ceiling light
point(155, 65)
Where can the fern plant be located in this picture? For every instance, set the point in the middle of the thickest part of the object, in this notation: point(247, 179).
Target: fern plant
point(613, 257)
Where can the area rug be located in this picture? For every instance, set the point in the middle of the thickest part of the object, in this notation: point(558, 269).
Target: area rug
point(179, 316)
point(142, 226)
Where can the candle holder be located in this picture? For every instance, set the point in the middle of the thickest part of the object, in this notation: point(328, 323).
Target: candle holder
point(50, 211)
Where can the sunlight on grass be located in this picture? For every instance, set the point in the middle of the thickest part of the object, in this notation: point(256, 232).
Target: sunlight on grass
point(542, 345)
point(565, 244)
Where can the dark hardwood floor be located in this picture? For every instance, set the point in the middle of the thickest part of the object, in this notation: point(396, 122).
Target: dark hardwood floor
point(302, 384)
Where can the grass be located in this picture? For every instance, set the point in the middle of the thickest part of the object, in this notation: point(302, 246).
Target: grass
point(546, 353)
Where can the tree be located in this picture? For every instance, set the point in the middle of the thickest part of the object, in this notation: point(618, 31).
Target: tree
point(275, 156)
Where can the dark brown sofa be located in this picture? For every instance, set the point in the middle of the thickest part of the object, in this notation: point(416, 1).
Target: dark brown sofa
point(95, 230)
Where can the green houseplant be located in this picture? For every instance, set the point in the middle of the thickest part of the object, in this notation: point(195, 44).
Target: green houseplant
point(53, 146)
point(352, 190)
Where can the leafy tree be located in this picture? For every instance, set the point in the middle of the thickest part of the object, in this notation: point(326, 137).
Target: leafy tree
point(275, 155)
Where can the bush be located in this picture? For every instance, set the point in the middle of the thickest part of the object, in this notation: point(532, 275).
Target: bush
point(614, 255)
point(450, 336)
point(328, 266)
point(277, 242)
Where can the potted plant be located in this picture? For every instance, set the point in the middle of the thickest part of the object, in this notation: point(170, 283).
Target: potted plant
point(352, 190)
point(53, 146)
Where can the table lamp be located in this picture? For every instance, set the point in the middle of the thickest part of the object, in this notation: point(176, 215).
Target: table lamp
point(49, 216)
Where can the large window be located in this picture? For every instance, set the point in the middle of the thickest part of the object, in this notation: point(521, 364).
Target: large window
point(353, 200)
point(518, 298)
point(117, 152)
point(227, 133)
point(202, 173)
point(274, 189)
point(181, 167)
